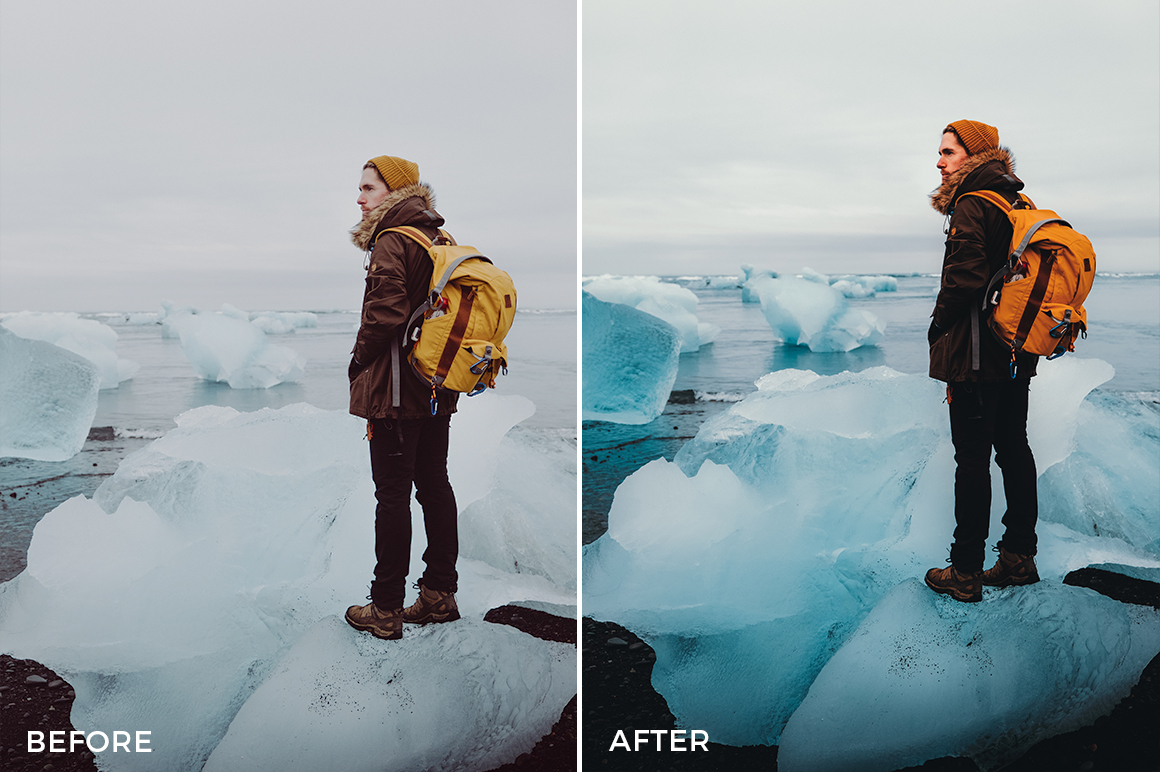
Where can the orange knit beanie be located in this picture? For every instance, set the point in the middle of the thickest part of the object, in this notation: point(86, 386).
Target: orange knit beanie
point(396, 172)
point(976, 137)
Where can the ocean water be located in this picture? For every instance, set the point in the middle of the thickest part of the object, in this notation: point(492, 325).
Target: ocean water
point(1124, 330)
point(542, 367)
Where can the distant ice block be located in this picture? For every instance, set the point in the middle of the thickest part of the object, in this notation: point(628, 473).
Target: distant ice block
point(280, 322)
point(863, 286)
point(834, 489)
point(470, 696)
point(259, 527)
point(89, 338)
point(226, 348)
point(670, 302)
point(751, 281)
point(630, 362)
point(809, 312)
point(48, 397)
point(925, 677)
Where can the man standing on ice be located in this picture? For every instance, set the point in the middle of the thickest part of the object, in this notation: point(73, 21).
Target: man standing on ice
point(988, 403)
point(408, 444)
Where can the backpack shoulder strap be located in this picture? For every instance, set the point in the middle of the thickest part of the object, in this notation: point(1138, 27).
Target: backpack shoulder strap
point(999, 201)
point(412, 233)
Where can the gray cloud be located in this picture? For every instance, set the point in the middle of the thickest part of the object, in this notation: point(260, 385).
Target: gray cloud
point(210, 152)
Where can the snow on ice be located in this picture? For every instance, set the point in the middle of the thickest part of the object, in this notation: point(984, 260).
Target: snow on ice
point(827, 493)
point(214, 568)
point(48, 397)
point(670, 302)
point(630, 362)
point(89, 338)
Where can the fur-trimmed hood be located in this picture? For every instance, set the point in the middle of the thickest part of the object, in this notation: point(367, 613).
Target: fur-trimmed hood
point(943, 200)
point(362, 235)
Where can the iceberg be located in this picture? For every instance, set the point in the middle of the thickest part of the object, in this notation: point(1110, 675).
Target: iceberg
point(674, 304)
point(751, 559)
point(89, 338)
point(751, 281)
point(48, 397)
point(630, 362)
point(221, 557)
point(985, 683)
point(864, 286)
point(223, 347)
point(809, 312)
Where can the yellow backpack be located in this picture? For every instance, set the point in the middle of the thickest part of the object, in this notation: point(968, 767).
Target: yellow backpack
point(458, 332)
point(1038, 295)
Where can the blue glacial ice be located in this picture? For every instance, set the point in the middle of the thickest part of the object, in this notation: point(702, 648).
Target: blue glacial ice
point(671, 302)
point(226, 347)
point(89, 338)
point(753, 557)
point(925, 677)
point(809, 312)
point(48, 397)
point(222, 556)
point(751, 280)
point(630, 362)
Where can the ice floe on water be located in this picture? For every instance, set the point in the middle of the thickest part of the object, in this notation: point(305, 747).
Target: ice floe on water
point(223, 347)
point(809, 312)
point(214, 568)
point(749, 562)
point(48, 397)
point(671, 302)
point(630, 362)
point(89, 338)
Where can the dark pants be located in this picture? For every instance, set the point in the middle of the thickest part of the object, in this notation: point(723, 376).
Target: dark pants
point(986, 415)
point(421, 459)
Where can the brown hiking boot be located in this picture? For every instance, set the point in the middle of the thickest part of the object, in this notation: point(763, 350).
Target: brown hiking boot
point(387, 625)
point(432, 606)
point(949, 581)
point(1011, 570)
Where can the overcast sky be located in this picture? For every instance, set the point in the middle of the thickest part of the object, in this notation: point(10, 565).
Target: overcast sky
point(209, 152)
point(791, 134)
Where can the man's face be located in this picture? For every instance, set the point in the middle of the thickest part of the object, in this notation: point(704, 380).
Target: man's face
point(371, 190)
point(951, 154)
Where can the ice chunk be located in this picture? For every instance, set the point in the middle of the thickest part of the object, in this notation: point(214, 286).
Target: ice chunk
point(864, 286)
point(925, 677)
point(48, 397)
point(89, 338)
point(751, 281)
point(630, 362)
point(808, 312)
point(226, 348)
point(468, 696)
point(256, 526)
point(670, 302)
point(279, 322)
point(832, 489)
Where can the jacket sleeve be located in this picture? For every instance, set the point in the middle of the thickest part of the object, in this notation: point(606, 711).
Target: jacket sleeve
point(966, 269)
point(385, 304)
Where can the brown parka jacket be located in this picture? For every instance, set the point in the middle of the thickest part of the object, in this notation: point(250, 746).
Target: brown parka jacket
point(398, 280)
point(978, 240)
